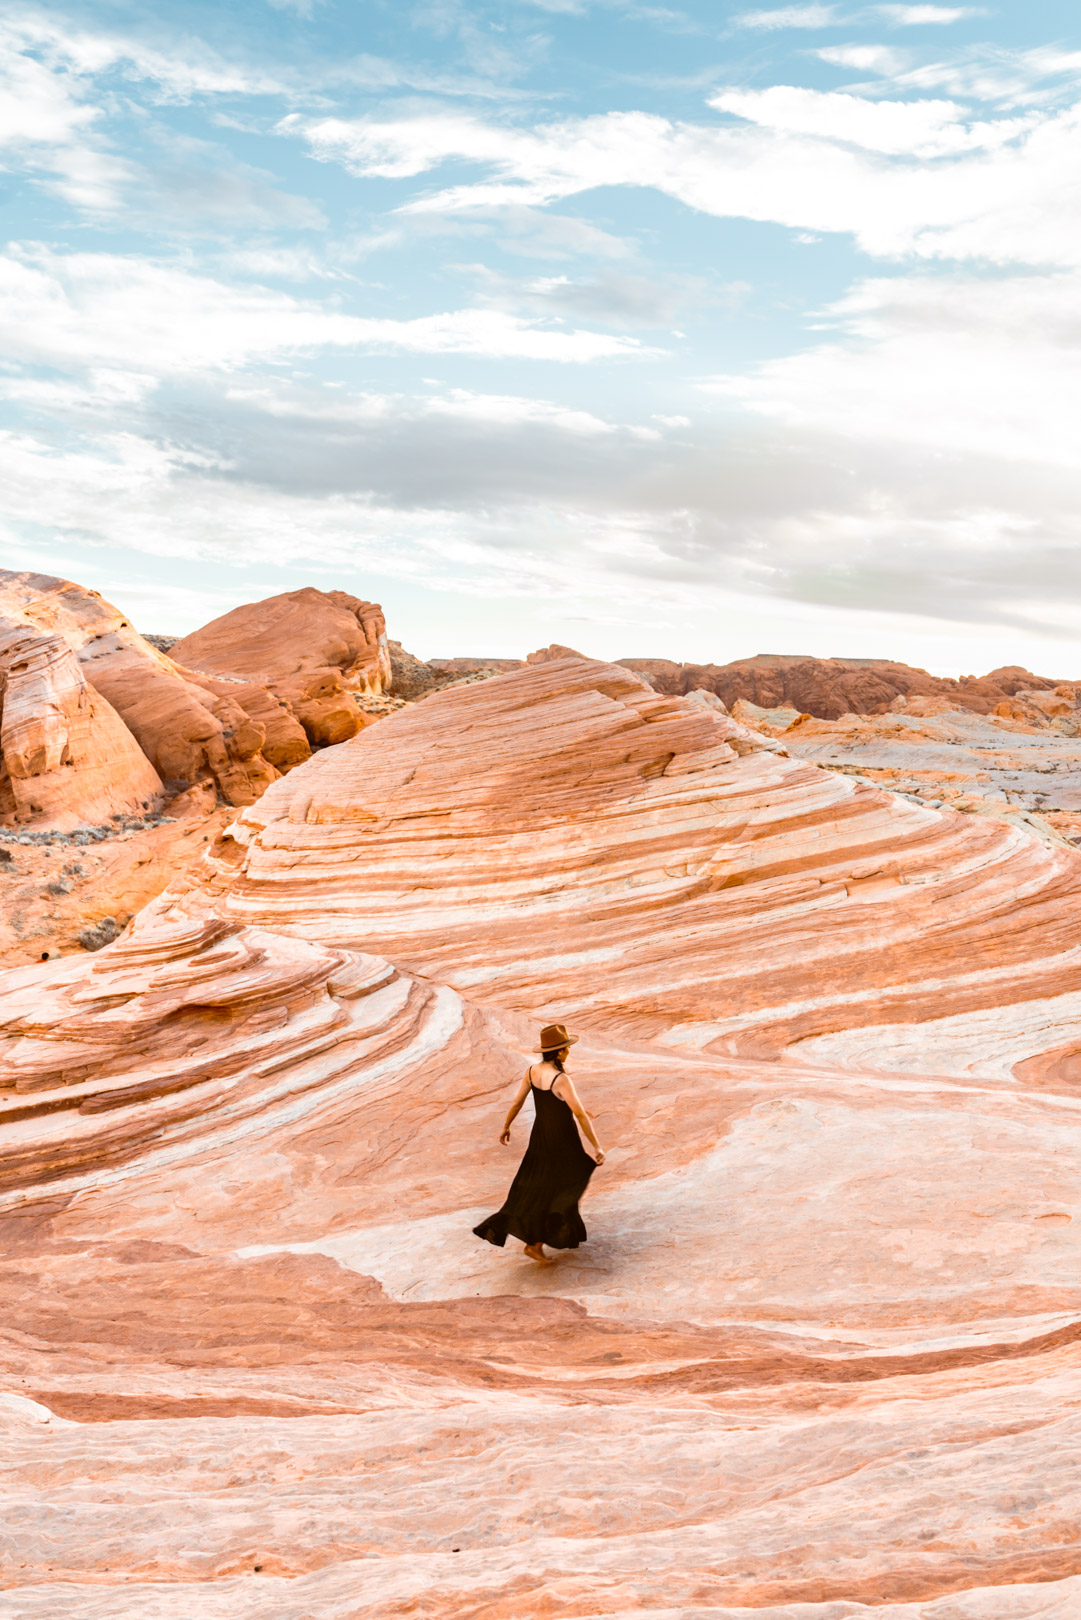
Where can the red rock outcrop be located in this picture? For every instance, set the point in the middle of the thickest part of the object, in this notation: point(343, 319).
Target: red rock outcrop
point(314, 649)
point(821, 1354)
point(188, 727)
point(831, 687)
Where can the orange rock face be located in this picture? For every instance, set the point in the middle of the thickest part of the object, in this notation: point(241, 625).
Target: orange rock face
point(314, 649)
point(66, 757)
point(187, 727)
point(820, 1356)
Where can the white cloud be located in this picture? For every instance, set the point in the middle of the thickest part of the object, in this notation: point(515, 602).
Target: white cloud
point(1036, 77)
point(161, 498)
point(187, 68)
point(404, 147)
point(926, 460)
point(922, 16)
point(894, 127)
point(189, 184)
point(52, 127)
point(1006, 189)
point(457, 404)
point(613, 298)
point(278, 262)
point(981, 366)
point(90, 309)
point(500, 496)
point(47, 127)
point(789, 17)
point(878, 59)
point(921, 454)
point(537, 233)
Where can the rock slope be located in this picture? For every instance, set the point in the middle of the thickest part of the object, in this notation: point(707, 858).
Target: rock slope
point(822, 1354)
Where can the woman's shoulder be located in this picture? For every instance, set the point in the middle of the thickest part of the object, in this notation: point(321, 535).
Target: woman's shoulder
point(545, 1076)
point(562, 1085)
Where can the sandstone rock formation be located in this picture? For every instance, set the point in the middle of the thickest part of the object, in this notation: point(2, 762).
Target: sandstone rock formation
point(65, 754)
point(831, 687)
point(314, 649)
point(188, 727)
point(820, 1357)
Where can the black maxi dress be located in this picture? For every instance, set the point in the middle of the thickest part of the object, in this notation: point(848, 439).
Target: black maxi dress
point(542, 1205)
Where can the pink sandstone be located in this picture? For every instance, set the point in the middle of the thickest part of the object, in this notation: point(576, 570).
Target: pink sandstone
point(821, 1356)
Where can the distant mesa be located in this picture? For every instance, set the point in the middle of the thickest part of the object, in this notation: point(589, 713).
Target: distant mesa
point(474, 666)
point(414, 678)
point(828, 688)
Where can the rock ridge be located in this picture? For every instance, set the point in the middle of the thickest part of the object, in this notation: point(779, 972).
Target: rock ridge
point(831, 687)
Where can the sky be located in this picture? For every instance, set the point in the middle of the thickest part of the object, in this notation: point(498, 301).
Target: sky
point(677, 330)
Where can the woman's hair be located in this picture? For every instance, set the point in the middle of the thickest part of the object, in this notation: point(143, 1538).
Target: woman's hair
point(553, 1056)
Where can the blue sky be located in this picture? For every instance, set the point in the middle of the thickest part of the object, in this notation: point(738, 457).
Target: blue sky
point(683, 330)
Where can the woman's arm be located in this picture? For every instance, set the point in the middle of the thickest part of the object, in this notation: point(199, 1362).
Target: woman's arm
point(564, 1089)
point(515, 1110)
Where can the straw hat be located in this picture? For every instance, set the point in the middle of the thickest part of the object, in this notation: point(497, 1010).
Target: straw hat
point(553, 1036)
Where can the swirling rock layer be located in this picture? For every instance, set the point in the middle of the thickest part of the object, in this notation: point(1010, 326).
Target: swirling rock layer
point(821, 1356)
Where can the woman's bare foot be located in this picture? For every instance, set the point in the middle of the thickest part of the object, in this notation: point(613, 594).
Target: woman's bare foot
point(535, 1251)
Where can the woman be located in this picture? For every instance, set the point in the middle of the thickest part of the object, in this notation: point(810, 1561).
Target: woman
point(542, 1205)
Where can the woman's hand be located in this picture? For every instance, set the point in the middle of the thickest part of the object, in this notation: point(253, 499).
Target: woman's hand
point(599, 1155)
point(505, 1137)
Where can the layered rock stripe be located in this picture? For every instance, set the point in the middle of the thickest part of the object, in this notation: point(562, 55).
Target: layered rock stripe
point(820, 1357)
